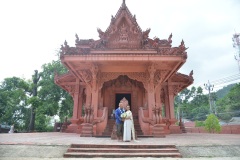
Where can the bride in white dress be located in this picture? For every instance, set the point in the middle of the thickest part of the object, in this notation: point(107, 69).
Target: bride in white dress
point(128, 126)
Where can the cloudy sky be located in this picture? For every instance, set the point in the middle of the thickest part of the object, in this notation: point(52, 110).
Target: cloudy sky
point(31, 32)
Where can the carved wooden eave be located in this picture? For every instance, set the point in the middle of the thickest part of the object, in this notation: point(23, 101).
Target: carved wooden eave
point(66, 81)
point(181, 81)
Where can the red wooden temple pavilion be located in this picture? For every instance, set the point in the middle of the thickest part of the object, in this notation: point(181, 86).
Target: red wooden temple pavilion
point(123, 63)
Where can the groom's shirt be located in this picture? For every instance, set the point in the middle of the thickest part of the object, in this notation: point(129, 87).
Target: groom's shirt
point(118, 113)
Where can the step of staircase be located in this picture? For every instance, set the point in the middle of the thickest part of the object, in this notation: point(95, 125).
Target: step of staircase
point(121, 151)
point(108, 130)
point(182, 127)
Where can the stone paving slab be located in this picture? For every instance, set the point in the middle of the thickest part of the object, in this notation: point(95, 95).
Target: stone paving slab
point(135, 158)
point(52, 145)
point(57, 138)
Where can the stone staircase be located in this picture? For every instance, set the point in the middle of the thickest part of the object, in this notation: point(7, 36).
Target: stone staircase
point(108, 130)
point(159, 130)
point(87, 130)
point(137, 127)
point(111, 122)
point(182, 127)
point(121, 151)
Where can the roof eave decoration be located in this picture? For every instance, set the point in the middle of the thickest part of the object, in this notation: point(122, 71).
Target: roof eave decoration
point(124, 33)
point(182, 81)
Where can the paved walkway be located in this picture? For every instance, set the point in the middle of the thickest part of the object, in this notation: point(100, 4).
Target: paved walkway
point(56, 138)
point(52, 141)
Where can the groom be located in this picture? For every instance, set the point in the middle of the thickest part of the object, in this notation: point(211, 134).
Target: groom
point(119, 121)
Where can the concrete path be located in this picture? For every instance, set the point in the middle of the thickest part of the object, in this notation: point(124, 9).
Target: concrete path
point(52, 145)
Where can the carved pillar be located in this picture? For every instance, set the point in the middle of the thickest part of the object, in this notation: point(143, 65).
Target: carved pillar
point(95, 103)
point(112, 96)
point(173, 127)
point(80, 100)
point(74, 120)
point(158, 98)
point(171, 101)
point(76, 100)
point(100, 99)
point(88, 96)
point(134, 103)
point(166, 99)
point(94, 71)
point(159, 103)
point(154, 118)
point(151, 95)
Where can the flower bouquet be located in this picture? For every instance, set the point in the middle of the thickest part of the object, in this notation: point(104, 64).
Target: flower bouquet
point(124, 115)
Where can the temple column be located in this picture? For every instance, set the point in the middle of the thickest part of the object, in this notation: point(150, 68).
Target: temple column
point(88, 96)
point(167, 107)
point(150, 91)
point(74, 120)
point(158, 99)
point(160, 128)
point(80, 105)
point(171, 102)
point(112, 98)
point(94, 71)
point(95, 103)
point(100, 99)
point(151, 102)
point(134, 102)
point(173, 127)
point(158, 103)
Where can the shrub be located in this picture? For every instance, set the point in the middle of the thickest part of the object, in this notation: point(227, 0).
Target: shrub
point(212, 124)
point(199, 123)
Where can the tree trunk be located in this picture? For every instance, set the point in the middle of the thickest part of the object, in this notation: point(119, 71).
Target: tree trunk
point(32, 120)
point(35, 78)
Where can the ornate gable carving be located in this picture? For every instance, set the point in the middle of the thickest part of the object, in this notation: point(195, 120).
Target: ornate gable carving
point(123, 31)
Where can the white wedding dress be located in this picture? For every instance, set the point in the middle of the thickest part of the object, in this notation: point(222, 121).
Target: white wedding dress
point(128, 128)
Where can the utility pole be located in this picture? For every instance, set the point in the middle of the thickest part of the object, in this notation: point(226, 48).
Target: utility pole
point(209, 87)
point(236, 45)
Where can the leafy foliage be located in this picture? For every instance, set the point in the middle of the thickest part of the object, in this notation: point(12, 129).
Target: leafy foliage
point(212, 124)
point(199, 123)
point(224, 91)
point(13, 102)
point(55, 100)
point(16, 99)
point(229, 105)
point(193, 103)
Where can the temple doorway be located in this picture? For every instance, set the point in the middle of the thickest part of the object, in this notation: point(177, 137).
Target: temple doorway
point(120, 96)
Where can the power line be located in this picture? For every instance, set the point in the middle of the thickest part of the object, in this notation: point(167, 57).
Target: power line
point(229, 112)
point(225, 79)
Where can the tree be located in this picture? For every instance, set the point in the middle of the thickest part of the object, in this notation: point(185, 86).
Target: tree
point(224, 91)
point(30, 104)
point(13, 102)
point(212, 124)
point(55, 101)
point(34, 101)
point(229, 105)
point(193, 103)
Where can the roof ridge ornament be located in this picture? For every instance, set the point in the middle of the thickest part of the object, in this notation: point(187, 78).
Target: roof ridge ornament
point(123, 5)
